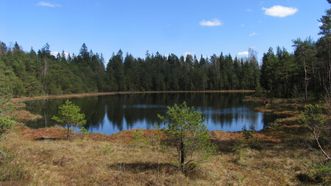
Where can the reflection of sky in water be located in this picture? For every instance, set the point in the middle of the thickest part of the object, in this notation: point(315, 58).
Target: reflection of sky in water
point(111, 114)
point(106, 126)
point(228, 119)
point(142, 106)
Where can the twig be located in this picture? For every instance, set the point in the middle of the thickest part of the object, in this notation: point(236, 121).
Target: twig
point(316, 136)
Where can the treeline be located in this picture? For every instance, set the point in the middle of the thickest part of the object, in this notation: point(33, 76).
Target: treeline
point(306, 72)
point(39, 73)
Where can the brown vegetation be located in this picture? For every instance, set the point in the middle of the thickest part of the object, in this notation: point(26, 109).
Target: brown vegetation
point(283, 154)
point(79, 95)
point(121, 159)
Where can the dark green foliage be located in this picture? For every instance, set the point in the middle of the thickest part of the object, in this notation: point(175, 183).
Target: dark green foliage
point(279, 73)
point(39, 73)
point(30, 73)
point(6, 122)
point(185, 129)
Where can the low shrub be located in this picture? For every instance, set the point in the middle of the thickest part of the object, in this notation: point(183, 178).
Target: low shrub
point(5, 123)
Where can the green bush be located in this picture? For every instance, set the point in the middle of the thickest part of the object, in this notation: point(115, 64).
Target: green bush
point(84, 131)
point(323, 170)
point(185, 129)
point(69, 115)
point(5, 123)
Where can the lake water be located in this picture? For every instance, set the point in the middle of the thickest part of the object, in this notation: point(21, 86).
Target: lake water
point(111, 114)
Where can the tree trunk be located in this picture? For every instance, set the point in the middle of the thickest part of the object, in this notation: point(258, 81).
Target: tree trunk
point(68, 132)
point(181, 155)
point(306, 79)
point(316, 136)
point(329, 71)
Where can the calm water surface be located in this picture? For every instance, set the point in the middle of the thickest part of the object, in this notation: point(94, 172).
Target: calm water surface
point(111, 114)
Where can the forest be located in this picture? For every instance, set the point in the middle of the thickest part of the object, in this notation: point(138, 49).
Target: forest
point(40, 73)
point(306, 71)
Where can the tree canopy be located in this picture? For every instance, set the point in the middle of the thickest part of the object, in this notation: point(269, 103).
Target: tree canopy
point(40, 73)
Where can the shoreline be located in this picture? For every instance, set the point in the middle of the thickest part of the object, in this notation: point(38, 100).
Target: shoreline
point(80, 95)
point(59, 133)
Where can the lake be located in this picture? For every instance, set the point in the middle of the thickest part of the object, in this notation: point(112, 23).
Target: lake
point(111, 114)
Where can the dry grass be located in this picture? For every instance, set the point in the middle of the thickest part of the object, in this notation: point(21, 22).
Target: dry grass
point(276, 156)
point(123, 159)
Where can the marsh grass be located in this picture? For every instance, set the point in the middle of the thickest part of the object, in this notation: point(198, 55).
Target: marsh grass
point(284, 154)
point(143, 161)
point(10, 170)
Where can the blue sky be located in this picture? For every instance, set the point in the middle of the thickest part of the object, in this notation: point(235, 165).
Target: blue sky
point(168, 26)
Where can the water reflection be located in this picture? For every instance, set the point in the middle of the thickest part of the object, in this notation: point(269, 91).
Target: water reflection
point(110, 114)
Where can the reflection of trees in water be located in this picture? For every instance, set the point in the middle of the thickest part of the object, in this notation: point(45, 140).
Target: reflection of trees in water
point(125, 111)
point(45, 108)
point(90, 106)
point(206, 100)
point(245, 117)
point(93, 108)
point(130, 109)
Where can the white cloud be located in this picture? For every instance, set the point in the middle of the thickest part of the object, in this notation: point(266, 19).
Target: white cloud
point(48, 4)
point(211, 23)
point(280, 11)
point(252, 34)
point(243, 54)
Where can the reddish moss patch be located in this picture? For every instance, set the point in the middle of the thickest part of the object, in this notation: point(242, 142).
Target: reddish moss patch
point(224, 136)
point(127, 136)
point(44, 133)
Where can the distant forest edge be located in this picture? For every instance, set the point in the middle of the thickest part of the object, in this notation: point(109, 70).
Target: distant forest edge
point(305, 72)
point(79, 95)
point(40, 73)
